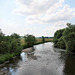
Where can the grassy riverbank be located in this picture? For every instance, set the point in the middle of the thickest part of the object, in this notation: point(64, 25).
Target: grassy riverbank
point(38, 40)
point(8, 56)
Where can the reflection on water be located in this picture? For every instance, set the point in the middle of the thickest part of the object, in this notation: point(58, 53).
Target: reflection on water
point(45, 60)
point(23, 56)
point(10, 68)
point(69, 68)
point(31, 56)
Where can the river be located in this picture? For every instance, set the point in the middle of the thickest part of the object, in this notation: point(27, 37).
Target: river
point(45, 60)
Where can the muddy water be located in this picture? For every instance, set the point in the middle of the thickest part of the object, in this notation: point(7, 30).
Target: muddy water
point(45, 60)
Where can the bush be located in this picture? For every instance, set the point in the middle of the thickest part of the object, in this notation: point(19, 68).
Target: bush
point(65, 38)
point(70, 46)
point(43, 39)
point(57, 35)
point(30, 40)
point(6, 57)
point(61, 43)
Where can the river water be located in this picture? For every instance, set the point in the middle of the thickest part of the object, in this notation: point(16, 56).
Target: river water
point(45, 60)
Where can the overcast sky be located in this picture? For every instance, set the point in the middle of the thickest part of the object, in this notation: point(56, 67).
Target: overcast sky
point(37, 17)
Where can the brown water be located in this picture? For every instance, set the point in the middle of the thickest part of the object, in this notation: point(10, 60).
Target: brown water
point(45, 60)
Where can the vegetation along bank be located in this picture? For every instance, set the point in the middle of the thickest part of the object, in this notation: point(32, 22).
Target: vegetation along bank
point(12, 45)
point(65, 38)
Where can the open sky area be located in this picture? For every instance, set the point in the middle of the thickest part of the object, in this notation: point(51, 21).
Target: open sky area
point(37, 17)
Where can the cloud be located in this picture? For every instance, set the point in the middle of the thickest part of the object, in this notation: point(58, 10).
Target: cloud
point(42, 17)
point(31, 7)
point(53, 13)
point(44, 11)
point(50, 30)
point(8, 27)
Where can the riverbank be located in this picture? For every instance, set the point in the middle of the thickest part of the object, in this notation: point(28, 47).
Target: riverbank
point(4, 58)
point(46, 60)
point(28, 50)
point(7, 57)
point(38, 40)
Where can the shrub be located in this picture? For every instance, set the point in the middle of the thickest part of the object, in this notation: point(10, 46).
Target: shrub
point(43, 39)
point(30, 40)
point(70, 46)
point(61, 43)
point(65, 38)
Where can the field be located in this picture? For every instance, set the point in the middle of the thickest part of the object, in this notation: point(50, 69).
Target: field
point(22, 41)
point(38, 40)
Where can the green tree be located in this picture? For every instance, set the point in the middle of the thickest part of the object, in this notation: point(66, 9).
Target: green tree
point(70, 46)
point(9, 44)
point(30, 40)
point(61, 43)
point(1, 34)
point(43, 39)
point(14, 35)
point(66, 38)
point(57, 35)
point(15, 46)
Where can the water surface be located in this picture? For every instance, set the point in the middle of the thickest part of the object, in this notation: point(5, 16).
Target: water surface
point(45, 60)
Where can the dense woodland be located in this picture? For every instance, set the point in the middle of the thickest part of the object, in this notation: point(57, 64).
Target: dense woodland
point(65, 38)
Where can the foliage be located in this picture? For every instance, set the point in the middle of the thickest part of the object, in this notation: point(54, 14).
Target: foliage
point(1, 34)
point(30, 40)
point(70, 46)
point(66, 38)
point(5, 57)
point(61, 43)
point(14, 35)
point(43, 39)
point(10, 44)
point(57, 35)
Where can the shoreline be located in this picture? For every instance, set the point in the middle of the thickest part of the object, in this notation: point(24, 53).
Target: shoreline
point(27, 50)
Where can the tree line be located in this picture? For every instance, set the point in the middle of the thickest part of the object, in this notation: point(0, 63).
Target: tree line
point(65, 38)
point(12, 43)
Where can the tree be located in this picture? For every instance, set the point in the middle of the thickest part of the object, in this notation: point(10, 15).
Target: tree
point(70, 46)
point(66, 38)
point(70, 42)
point(14, 35)
point(43, 39)
point(15, 46)
point(61, 43)
point(30, 40)
point(9, 44)
point(57, 35)
point(1, 34)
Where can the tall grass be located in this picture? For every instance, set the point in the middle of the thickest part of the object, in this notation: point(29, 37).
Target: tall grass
point(6, 57)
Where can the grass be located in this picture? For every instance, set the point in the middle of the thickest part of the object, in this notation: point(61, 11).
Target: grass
point(6, 57)
point(46, 39)
point(22, 41)
point(39, 40)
